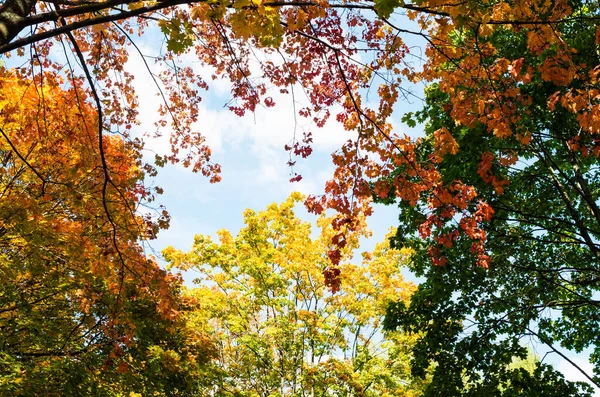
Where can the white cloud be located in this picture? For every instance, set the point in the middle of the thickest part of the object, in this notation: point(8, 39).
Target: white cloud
point(250, 148)
point(265, 128)
point(573, 374)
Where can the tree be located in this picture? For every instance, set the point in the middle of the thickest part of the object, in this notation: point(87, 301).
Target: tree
point(510, 221)
point(334, 50)
point(306, 47)
point(81, 306)
point(261, 296)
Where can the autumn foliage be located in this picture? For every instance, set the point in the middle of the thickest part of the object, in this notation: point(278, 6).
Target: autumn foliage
point(78, 290)
point(261, 299)
point(336, 52)
point(520, 254)
point(509, 155)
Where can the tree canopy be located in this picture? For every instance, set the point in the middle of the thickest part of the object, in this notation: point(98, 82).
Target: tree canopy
point(81, 305)
point(499, 199)
point(335, 51)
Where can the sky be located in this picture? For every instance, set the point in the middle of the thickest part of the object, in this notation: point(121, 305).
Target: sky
point(251, 152)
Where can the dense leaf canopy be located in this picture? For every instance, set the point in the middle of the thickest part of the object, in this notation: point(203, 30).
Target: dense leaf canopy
point(519, 260)
point(261, 298)
point(498, 200)
point(80, 303)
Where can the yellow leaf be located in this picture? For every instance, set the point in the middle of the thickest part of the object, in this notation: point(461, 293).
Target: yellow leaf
point(241, 4)
point(199, 12)
point(445, 142)
point(136, 5)
point(99, 28)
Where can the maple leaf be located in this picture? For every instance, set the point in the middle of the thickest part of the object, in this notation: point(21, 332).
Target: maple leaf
point(445, 142)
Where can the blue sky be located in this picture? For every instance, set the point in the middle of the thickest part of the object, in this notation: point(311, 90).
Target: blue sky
point(251, 152)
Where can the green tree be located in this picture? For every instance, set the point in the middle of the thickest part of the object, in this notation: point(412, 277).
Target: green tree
point(261, 296)
point(519, 258)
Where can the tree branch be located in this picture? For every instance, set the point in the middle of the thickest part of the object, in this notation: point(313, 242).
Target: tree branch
point(13, 15)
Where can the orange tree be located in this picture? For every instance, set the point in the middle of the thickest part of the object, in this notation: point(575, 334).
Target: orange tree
point(83, 311)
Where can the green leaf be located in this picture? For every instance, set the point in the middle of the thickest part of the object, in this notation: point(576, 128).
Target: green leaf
point(384, 8)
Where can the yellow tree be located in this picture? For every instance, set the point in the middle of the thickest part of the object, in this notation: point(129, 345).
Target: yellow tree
point(278, 329)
